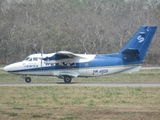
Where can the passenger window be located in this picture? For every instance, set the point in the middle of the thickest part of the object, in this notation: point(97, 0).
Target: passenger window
point(35, 59)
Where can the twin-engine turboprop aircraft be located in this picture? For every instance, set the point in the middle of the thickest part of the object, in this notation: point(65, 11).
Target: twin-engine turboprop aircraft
point(67, 65)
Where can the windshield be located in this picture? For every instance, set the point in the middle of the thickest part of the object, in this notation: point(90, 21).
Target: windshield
point(28, 59)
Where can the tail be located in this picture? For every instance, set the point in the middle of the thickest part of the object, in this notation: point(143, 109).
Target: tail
point(135, 50)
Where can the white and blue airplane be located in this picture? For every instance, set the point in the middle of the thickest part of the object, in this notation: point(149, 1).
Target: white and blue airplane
point(67, 65)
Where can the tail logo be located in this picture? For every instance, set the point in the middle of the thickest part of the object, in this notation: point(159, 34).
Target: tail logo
point(140, 39)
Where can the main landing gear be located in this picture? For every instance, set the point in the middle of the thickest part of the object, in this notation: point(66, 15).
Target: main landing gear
point(67, 79)
point(27, 79)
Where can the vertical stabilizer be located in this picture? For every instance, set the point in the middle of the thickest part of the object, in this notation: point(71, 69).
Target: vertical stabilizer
point(137, 47)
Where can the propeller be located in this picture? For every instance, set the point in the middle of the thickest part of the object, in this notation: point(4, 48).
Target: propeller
point(41, 55)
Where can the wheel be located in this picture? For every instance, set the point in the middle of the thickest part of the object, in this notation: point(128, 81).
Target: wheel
point(67, 79)
point(28, 79)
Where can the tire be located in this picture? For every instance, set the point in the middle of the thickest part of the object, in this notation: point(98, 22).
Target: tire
point(67, 79)
point(28, 79)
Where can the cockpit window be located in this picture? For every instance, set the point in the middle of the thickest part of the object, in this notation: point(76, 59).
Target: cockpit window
point(28, 59)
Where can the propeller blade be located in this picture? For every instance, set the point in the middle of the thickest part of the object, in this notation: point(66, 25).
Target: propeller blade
point(41, 55)
point(41, 51)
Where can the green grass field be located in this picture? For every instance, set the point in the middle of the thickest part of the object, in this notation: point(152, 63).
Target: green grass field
point(76, 103)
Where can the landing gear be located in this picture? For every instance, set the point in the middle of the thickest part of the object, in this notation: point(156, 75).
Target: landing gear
point(27, 79)
point(67, 79)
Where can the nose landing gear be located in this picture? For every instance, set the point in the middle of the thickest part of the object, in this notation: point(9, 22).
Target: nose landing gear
point(27, 79)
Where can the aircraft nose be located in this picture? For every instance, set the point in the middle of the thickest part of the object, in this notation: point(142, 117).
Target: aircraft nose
point(12, 67)
point(6, 68)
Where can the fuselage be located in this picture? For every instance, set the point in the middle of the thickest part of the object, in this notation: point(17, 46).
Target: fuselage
point(89, 65)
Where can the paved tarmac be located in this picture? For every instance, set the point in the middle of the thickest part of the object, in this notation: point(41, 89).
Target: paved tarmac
point(1, 68)
point(86, 84)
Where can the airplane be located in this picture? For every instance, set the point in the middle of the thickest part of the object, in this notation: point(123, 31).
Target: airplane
point(67, 65)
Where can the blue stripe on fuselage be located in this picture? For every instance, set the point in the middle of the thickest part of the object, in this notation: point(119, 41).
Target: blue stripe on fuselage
point(98, 61)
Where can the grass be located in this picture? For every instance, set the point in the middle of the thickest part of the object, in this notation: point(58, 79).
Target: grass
point(79, 102)
point(76, 103)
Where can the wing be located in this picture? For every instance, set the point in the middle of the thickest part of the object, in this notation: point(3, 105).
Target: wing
point(67, 57)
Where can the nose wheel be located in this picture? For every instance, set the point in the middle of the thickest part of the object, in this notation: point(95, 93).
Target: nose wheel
point(27, 79)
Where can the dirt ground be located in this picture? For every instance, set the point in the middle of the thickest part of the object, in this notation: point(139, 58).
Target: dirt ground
point(79, 113)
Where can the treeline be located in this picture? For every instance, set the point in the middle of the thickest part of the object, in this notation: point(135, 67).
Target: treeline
point(80, 26)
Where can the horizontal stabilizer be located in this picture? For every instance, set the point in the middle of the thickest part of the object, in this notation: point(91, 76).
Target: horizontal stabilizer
point(130, 54)
point(130, 51)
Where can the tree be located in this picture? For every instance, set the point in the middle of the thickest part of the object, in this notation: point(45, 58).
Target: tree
point(80, 26)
